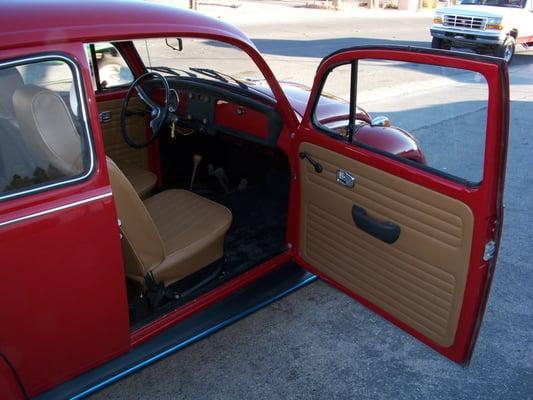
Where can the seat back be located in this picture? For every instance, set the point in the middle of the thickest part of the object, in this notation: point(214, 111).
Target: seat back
point(48, 130)
point(14, 157)
point(142, 246)
point(10, 81)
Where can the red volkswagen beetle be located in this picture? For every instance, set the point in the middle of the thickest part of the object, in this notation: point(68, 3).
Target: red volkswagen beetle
point(157, 183)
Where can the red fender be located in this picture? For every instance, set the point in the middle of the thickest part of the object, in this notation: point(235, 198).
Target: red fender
point(10, 386)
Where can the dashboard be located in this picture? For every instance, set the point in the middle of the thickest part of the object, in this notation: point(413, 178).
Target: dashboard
point(214, 108)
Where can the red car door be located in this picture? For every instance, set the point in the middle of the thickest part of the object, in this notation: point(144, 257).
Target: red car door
point(63, 299)
point(414, 241)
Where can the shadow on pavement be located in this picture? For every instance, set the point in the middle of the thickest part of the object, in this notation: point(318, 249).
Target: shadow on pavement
point(322, 47)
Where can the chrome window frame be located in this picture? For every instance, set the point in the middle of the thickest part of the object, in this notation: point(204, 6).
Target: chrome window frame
point(82, 104)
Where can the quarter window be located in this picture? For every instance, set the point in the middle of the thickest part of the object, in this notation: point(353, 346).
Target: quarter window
point(43, 137)
point(112, 70)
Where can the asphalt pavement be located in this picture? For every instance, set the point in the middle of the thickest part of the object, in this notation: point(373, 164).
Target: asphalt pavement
point(320, 344)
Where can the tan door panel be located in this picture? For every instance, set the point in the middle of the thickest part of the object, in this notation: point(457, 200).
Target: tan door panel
point(420, 278)
point(115, 146)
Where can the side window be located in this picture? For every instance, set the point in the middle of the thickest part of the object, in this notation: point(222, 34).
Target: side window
point(111, 70)
point(440, 111)
point(44, 140)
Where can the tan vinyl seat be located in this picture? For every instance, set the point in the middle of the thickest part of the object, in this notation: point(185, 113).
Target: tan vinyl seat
point(13, 152)
point(10, 81)
point(48, 130)
point(171, 234)
point(142, 180)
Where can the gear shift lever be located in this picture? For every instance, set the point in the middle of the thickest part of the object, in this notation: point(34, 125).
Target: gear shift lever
point(196, 159)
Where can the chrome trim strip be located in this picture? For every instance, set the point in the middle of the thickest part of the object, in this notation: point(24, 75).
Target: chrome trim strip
point(83, 105)
point(55, 209)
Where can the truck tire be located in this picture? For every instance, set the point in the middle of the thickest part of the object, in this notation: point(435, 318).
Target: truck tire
point(437, 43)
point(506, 50)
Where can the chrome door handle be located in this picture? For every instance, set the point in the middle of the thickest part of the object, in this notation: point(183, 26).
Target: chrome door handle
point(345, 178)
point(104, 116)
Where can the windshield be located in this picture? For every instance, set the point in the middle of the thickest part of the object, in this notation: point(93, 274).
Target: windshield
point(199, 58)
point(497, 3)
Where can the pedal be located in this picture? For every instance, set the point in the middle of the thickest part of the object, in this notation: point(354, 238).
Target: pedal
point(222, 178)
point(243, 184)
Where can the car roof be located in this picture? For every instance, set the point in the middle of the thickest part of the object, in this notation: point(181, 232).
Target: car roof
point(33, 23)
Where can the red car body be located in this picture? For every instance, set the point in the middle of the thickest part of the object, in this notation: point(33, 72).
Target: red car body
point(63, 303)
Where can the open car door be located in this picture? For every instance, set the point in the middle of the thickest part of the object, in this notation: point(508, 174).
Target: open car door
point(406, 219)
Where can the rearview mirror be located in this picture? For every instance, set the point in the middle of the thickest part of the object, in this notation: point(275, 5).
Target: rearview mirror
point(175, 44)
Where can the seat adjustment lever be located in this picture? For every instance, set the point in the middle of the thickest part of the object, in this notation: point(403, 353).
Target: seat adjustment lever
point(316, 165)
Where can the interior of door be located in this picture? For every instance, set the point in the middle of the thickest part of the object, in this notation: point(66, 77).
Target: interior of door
point(410, 240)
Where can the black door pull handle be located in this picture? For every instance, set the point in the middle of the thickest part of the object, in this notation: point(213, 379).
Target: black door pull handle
point(316, 165)
point(388, 232)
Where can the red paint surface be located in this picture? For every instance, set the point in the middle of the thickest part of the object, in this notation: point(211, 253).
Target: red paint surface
point(484, 201)
point(525, 40)
point(63, 274)
point(242, 119)
point(391, 140)
point(54, 21)
point(68, 294)
point(9, 385)
point(333, 112)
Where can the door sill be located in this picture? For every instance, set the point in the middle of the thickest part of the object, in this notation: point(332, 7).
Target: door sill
point(265, 290)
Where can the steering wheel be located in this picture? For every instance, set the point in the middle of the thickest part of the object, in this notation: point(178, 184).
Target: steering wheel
point(158, 113)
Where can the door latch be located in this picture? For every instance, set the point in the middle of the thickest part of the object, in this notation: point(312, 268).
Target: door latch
point(345, 178)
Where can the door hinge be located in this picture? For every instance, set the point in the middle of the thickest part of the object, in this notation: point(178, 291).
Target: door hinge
point(119, 222)
point(490, 251)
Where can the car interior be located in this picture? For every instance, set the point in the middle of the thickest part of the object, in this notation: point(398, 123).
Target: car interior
point(204, 203)
point(222, 209)
point(207, 201)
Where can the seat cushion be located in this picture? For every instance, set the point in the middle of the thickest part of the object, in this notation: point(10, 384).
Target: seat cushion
point(192, 229)
point(142, 180)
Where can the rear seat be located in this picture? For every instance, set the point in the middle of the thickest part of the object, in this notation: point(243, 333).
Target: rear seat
point(15, 161)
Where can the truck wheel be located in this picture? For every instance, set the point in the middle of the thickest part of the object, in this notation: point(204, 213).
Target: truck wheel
point(506, 50)
point(436, 43)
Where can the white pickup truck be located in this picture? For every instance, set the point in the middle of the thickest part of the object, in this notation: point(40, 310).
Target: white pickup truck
point(485, 26)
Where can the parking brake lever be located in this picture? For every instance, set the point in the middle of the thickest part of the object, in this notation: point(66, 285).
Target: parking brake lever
point(316, 165)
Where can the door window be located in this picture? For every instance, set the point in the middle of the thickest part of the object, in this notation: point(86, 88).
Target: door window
point(441, 111)
point(44, 138)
